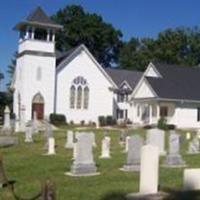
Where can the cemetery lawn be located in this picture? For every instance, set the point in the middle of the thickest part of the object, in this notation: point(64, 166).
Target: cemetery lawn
point(28, 167)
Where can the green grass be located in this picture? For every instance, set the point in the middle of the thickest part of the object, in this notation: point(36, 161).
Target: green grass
point(26, 164)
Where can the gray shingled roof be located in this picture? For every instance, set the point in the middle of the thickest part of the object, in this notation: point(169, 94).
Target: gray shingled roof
point(120, 75)
point(39, 18)
point(38, 15)
point(177, 82)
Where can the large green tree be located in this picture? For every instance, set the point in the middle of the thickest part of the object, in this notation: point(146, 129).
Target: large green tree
point(173, 46)
point(102, 39)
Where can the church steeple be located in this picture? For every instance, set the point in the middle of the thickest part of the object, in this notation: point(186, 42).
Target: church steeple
point(38, 26)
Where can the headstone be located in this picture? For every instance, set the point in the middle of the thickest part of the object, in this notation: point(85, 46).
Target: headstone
point(105, 152)
point(122, 138)
point(191, 179)
point(28, 134)
point(83, 164)
point(194, 146)
point(74, 151)
point(51, 146)
point(6, 141)
point(134, 154)
point(93, 139)
point(174, 158)
point(70, 140)
point(156, 137)
point(149, 170)
point(127, 143)
point(7, 130)
point(188, 136)
point(48, 134)
point(35, 122)
point(22, 122)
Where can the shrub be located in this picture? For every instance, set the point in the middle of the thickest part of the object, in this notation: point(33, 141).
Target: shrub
point(109, 120)
point(171, 126)
point(57, 119)
point(82, 122)
point(71, 122)
point(162, 123)
point(102, 121)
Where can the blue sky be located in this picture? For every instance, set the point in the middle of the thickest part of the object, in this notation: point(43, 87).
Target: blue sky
point(139, 18)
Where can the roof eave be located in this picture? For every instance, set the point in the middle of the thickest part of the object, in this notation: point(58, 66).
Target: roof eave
point(37, 24)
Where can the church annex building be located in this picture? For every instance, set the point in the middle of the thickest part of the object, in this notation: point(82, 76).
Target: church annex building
point(76, 85)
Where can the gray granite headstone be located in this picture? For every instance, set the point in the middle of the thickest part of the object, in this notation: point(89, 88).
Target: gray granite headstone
point(194, 146)
point(134, 154)
point(84, 164)
point(173, 158)
point(156, 137)
point(6, 141)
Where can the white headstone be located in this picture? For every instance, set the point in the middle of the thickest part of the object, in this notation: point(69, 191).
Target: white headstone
point(191, 179)
point(70, 140)
point(105, 152)
point(74, 151)
point(149, 170)
point(28, 134)
point(156, 137)
point(51, 146)
point(6, 124)
point(127, 143)
point(35, 122)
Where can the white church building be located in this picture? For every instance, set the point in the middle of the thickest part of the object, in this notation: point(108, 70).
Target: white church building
point(76, 85)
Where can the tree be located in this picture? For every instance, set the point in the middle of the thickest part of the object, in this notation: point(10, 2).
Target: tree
point(1, 78)
point(81, 27)
point(173, 46)
point(11, 69)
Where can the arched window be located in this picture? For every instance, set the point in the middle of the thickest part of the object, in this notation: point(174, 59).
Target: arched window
point(86, 98)
point(39, 74)
point(79, 93)
point(79, 97)
point(72, 96)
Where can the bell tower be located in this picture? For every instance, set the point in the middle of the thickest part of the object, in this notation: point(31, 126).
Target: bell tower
point(34, 79)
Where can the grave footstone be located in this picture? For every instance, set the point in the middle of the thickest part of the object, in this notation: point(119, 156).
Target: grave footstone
point(70, 140)
point(191, 179)
point(156, 137)
point(105, 153)
point(173, 158)
point(134, 154)
point(193, 147)
point(84, 164)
